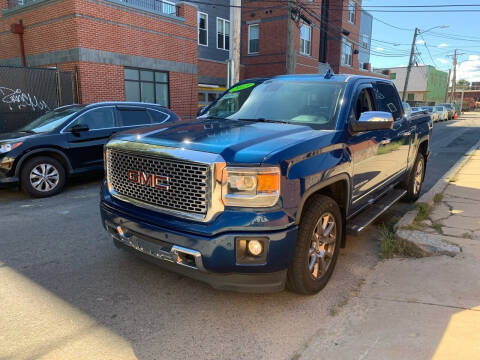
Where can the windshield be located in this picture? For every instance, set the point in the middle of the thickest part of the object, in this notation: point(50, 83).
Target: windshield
point(50, 120)
point(429, 108)
point(439, 108)
point(314, 103)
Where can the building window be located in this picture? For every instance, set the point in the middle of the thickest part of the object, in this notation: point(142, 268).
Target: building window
point(393, 76)
point(253, 38)
point(365, 41)
point(351, 12)
point(305, 37)
point(223, 34)
point(347, 53)
point(168, 7)
point(203, 29)
point(410, 97)
point(146, 86)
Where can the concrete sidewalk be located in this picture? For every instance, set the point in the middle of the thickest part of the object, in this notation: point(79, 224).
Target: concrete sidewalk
point(426, 308)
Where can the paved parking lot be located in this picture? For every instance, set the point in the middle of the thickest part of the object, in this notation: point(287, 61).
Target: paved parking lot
point(67, 292)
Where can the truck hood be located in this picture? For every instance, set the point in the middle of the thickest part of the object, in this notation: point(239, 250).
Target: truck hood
point(239, 142)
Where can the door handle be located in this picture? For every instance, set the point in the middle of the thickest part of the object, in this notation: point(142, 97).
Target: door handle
point(406, 133)
point(385, 141)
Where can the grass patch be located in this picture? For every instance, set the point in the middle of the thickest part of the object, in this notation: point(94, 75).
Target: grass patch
point(392, 246)
point(424, 211)
point(467, 236)
point(438, 197)
point(438, 227)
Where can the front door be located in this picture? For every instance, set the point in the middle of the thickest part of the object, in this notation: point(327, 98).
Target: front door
point(86, 148)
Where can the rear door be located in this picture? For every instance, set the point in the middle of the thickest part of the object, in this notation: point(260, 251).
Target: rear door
point(132, 116)
point(395, 143)
point(85, 149)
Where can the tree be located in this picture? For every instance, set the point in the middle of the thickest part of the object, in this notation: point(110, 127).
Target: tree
point(462, 83)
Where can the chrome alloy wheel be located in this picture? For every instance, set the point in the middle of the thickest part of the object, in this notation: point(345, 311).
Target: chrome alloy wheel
point(44, 177)
point(322, 246)
point(418, 178)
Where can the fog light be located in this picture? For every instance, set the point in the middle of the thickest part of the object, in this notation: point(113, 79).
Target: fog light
point(255, 247)
point(120, 231)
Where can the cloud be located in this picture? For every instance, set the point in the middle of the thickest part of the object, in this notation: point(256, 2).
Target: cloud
point(420, 42)
point(442, 45)
point(378, 48)
point(470, 69)
point(442, 61)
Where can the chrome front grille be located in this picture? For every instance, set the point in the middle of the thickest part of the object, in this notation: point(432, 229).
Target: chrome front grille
point(184, 186)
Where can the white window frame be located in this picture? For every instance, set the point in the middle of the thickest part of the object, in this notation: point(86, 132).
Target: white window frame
point(345, 42)
point(198, 27)
point(302, 50)
point(351, 11)
point(164, 5)
point(249, 51)
point(229, 35)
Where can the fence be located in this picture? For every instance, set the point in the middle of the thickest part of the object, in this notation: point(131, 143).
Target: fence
point(27, 93)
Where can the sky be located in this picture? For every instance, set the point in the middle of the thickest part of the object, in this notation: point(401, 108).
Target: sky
point(391, 47)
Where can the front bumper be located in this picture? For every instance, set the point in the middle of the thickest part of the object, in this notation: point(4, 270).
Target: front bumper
point(208, 259)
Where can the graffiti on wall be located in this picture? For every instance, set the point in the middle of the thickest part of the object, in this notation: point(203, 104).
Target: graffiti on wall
point(17, 99)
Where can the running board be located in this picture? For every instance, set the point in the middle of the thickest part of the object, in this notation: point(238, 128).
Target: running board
point(367, 216)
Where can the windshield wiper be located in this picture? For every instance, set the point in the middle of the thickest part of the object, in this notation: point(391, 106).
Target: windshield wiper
point(264, 120)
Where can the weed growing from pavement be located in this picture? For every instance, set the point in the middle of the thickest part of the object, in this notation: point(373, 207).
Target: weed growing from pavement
point(467, 236)
point(424, 211)
point(438, 197)
point(392, 246)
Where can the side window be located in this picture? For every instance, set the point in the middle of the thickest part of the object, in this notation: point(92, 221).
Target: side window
point(101, 118)
point(387, 99)
point(133, 117)
point(364, 102)
point(157, 116)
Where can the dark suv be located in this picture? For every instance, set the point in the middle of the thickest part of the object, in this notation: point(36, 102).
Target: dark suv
point(68, 141)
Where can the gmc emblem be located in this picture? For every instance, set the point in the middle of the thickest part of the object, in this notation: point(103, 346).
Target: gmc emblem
point(155, 181)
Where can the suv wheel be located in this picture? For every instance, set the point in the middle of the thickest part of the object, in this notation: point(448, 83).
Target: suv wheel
point(318, 244)
point(415, 180)
point(42, 176)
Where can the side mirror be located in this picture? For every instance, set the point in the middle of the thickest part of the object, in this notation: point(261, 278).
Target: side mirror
point(201, 110)
point(79, 128)
point(372, 120)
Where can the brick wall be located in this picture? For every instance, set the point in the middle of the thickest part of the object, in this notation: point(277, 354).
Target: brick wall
point(213, 69)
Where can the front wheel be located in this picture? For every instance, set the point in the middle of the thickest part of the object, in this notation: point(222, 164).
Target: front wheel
point(415, 180)
point(317, 248)
point(42, 176)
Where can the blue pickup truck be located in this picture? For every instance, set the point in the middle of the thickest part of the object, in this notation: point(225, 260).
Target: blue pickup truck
point(259, 191)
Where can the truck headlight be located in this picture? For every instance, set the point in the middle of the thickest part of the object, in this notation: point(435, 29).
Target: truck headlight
point(250, 187)
point(4, 148)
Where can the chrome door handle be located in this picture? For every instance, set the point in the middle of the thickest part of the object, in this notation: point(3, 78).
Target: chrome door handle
point(385, 141)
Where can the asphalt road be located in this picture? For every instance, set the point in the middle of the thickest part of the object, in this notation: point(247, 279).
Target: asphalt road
point(66, 292)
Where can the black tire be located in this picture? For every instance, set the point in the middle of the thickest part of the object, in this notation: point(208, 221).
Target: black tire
point(412, 186)
point(300, 278)
point(44, 188)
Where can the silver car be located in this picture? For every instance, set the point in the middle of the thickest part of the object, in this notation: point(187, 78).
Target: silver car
point(442, 113)
point(433, 113)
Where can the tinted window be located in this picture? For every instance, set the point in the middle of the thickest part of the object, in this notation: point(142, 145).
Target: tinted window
point(101, 118)
point(158, 116)
point(133, 117)
point(387, 99)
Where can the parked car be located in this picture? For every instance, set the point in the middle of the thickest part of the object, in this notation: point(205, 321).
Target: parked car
point(442, 113)
point(407, 108)
point(416, 109)
point(259, 191)
point(451, 110)
point(69, 141)
point(433, 113)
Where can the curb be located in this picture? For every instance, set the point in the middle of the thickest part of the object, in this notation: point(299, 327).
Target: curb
point(439, 187)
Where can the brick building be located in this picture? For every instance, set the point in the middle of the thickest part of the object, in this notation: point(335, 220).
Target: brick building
point(121, 51)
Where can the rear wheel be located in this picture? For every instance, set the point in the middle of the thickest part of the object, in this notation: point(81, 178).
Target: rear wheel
point(317, 248)
point(415, 180)
point(42, 176)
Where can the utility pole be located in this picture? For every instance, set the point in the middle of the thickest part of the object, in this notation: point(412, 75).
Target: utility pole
point(290, 55)
point(461, 101)
point(234, 62)
point(454, 81)
point(410, 64)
